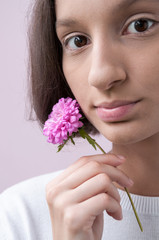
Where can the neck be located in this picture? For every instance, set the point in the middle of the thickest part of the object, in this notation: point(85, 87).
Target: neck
point(142, 165)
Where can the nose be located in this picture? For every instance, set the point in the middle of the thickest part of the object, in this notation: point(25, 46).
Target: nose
point(106, 67)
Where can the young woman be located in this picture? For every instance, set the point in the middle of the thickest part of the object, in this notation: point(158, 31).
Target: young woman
point(106, 55)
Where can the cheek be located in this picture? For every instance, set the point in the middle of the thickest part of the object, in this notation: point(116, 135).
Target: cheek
point(149, 77)
point(76, 77)
point(144, 70)
point(76, 74)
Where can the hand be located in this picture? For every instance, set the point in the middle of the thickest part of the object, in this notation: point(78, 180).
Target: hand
point(78, 197)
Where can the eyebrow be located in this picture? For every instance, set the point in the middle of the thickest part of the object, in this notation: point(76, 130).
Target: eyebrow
point(125, 3)
point(131, 2)
point(65, 22)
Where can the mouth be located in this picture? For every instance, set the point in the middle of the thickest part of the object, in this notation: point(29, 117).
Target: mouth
point(116, 110)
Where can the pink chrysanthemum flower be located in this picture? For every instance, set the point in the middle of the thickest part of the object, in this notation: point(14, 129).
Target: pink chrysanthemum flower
point(63, 121)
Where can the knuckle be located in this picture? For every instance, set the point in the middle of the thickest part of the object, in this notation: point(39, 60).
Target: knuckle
point(51, 193)
point(83, 159)
point(104, 199)
point(59, 204)
point(95, 166)
point(110, 203)
point(104, 179)
point(70, 219)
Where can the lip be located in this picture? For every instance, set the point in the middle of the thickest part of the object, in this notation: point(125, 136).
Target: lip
point(115, 111)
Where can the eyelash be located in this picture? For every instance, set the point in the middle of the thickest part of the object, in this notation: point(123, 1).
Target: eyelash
point(68, 39)
point(147, 30)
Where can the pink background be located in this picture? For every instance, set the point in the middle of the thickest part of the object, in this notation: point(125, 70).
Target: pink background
point(24, 152)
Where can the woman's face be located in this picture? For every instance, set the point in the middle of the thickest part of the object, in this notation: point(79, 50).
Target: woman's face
point(111, 63)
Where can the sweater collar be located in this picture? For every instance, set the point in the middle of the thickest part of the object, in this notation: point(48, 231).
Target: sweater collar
point(143, 204)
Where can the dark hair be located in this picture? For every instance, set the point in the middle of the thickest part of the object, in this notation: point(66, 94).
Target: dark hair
point(47, 81)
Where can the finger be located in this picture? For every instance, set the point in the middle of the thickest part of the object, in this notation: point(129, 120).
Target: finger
point(97, 204)
point(92, 169)
point(110, 159)
point(88, 211)
point(101, 183)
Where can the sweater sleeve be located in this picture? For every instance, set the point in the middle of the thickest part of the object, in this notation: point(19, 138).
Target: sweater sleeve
point(10, 217)
point(24, 214)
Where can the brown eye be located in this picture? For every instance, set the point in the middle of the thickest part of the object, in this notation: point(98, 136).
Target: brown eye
point(141, 25)
point(76, 42)
point(80, 41)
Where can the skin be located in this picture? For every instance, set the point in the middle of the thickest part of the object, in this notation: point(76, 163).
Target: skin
point(114, 62)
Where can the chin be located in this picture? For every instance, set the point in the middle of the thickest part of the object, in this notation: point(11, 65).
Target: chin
point(124, 135)
point(121, 140)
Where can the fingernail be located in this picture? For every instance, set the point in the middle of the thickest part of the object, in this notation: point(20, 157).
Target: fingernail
point(121, 157)
point(131, 182)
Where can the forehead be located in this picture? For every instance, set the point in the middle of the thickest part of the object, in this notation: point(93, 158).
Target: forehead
point(75, 8)
point(94, 4)
point(113, 3)
point(69, 12)
point(81, 5)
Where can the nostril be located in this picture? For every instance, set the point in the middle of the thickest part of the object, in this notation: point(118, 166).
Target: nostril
point(106, 77)
point(114, 83)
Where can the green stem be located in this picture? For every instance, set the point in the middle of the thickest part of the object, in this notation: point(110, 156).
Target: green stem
point(131, 201)
point(132, 204)
point(100, 147)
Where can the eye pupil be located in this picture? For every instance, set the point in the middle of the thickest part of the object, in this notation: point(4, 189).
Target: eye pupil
point(141, 25)
point(80, 41)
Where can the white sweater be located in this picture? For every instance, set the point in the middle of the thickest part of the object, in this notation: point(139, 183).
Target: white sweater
point(24, 214)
